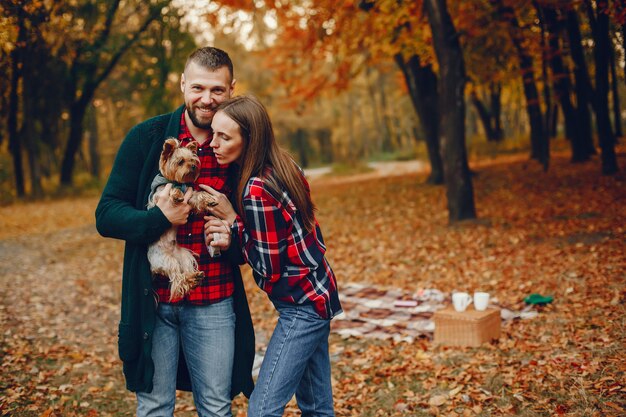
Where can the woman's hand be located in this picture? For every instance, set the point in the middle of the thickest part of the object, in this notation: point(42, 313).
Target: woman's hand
point(223, 209)
point(216, 233)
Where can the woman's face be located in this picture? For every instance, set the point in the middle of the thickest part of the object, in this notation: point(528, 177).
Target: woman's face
point(227, 142)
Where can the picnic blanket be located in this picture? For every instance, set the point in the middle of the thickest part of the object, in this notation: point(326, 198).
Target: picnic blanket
point(396, 314)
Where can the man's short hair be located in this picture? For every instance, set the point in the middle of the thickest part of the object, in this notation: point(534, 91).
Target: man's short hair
point(211, 59)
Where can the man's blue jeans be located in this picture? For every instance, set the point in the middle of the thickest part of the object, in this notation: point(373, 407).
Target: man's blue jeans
point(296, 361)
point(207, 336)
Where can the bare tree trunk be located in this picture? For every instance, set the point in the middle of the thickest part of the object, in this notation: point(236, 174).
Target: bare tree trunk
point(600, 28)
point(547, 98)
point(495, 92)
point(298, 145)
point(623, 27)
point(31, 135)
point(15, 142)
point(459, 190)
point(584, 91)
point(562, 86)
point(422, 84)
point(554, 122)
point(538, 135)
point(381, 129)
point(351, 157)
point(483, 115)
point(387, 121)
point(617, 117)
point(326, 147)
point(94, 155)
point(490, 118)
point(363, 145)
point(77, 114)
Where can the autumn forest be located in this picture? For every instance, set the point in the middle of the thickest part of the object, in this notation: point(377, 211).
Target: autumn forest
point(470, 145)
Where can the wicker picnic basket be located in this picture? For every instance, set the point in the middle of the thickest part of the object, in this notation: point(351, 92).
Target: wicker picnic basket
point(467, 328)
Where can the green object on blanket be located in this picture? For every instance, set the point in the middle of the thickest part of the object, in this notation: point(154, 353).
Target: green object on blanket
point(538, 299)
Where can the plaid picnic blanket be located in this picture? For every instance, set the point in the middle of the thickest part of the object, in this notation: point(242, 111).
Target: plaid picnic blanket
point(396, 314)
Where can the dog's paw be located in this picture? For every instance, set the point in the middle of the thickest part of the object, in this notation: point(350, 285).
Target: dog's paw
point(177, 195)
point(203, 201)
point(181, 285)
point(195, 279)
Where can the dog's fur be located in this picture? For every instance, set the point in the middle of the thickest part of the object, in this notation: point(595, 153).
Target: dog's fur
point(181, 166)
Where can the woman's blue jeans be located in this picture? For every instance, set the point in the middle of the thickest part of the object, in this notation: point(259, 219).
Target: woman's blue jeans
point(296, 361)
point(207, 336)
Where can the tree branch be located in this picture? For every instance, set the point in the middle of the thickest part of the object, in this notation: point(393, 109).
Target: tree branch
point(156, 12)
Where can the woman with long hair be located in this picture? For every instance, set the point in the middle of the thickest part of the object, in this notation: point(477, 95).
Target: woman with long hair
point(274, 223)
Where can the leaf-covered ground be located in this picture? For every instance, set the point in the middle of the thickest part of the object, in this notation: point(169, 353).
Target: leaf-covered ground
point(559, 233)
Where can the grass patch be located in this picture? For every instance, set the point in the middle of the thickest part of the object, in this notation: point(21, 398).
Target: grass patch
point(400, 155)
point(349, 168)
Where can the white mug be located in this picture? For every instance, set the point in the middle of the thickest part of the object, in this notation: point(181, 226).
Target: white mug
point(461, 300)
point(481, 301)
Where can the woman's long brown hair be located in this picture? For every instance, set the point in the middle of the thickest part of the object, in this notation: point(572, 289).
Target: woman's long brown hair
point(260, 150)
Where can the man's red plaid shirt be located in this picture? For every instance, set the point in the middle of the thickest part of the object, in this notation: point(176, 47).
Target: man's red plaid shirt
point(217, 283)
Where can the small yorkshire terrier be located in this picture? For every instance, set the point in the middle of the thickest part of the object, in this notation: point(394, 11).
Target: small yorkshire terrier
point(180, 166)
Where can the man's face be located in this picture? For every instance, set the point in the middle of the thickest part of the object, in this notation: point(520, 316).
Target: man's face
point(203, 90)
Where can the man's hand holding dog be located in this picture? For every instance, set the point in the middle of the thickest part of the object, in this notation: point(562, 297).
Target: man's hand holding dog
point(212, 226)
point(176, 213)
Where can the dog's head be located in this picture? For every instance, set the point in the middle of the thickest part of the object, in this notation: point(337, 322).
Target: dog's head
point(179, 163)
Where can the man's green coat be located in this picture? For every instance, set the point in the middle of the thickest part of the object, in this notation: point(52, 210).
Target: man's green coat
point(122, 214)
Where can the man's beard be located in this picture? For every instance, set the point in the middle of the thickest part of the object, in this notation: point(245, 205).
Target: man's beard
point(197, 123)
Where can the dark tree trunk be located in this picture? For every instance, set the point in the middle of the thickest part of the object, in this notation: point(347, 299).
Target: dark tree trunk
point(383, 132)
point(422, 84)
point(299, 144)
point(31, 132)
point(389, 129)
point(617, 117)
point(77, 115)
point(94, 155)
point(490, 117)
point(584, 91)
point(352, 151)
point(547, 98)
point(624, 45)
point(554, 121)
point(363, 145)
point(538, 135)
point(600, 30)
point(563, 87)
point(15, 143)
point(326, 147)
point(484, 116)
point(459, 190)
point(495, 92)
